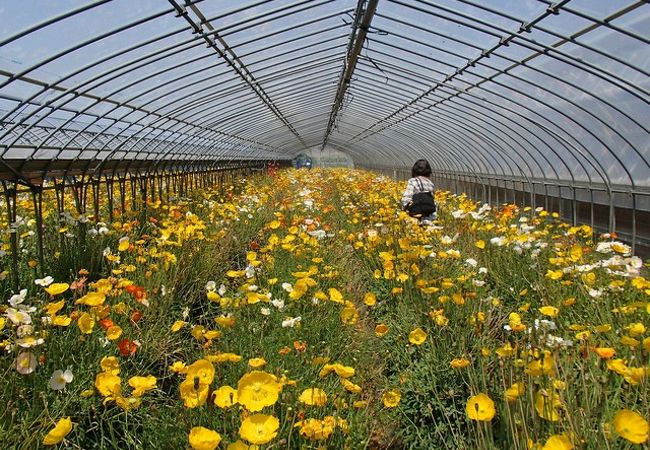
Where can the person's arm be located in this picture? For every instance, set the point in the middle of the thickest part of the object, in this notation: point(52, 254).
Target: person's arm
point(407, 196)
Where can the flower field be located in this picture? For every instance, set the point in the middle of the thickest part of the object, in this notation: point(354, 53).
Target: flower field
point(306, 311)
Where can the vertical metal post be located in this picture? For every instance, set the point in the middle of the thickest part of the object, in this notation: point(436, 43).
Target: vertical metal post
point(546, 196)
point(10, 198)
point(96, 198)
point(532, 198)
point(109, 198)
point(633, 222)
point(134, 193)
point(37, 198)
point(122, 186)
point(574, 207)
point(612, 213)
point(591, 208)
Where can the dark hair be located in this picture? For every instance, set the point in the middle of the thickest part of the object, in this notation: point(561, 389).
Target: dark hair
point(421, 168)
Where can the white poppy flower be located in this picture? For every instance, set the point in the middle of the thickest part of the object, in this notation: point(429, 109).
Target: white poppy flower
point(29, 341)
point(44, 282)
point(290, 323)
point(18, 317)
point(498, 241)
point(25, 363)
point(17, 299)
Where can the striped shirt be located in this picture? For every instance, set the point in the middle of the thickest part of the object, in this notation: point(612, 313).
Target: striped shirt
point(415, 185)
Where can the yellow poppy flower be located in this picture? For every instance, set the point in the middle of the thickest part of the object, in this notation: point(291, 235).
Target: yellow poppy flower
point(631, 426)
point(225, 397)
point(141, 385)
point(113, 332)
point(224, 357)
point(339, 369)
point(550, 311)
point(605, 352)
point(203, 369)
point(52, 308)
point(635, 329)
point(459, 363)
point(57, 288)
point(514, 392)
point(61, 321)
point(480, 407)
point(240, 445)
point(86, 323)
point(257, 390)
point(108, 384)
point(204, 438)
point(558, 442)
point(176, 326)
point(123, 244)
point(256, 363)
point(391, 398)
point(178, 367)
point(110, 364)
point(417, 336)
point(350, 386)
point(59, 432)
point(313, 397)
point(381, 330)
point(335, 295)
point(547, 405)
point(349, 315)
point(259, 428)
point(193, 392)
point(92, 299)
point(316, 429)
point(369, 299)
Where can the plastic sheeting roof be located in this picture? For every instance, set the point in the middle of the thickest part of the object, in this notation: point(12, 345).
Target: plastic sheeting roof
point(523, 88)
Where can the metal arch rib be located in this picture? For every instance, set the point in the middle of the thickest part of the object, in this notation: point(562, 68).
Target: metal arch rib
point(232, 60)
point(358, 34)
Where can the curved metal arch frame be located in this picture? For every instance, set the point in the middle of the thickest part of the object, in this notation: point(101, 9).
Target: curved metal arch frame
point(329, 16)
point(521, 146)
point(515, 63)
point(516, 36)
point(529, 96)
point(417, 146)
point(504, 125)
point(179, 144)
point(465, 92)
point(583, 127)
point(452, 141)
point(431, 126)
point(135, 123)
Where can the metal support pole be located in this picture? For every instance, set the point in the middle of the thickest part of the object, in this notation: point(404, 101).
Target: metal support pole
point(10, 198)
point(37, 198)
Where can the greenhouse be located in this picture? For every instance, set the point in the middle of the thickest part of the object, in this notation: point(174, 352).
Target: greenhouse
point(315, 224)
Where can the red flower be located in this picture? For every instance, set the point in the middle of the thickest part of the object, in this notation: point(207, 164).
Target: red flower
point(136, 316)
point(127, 348)
point(106, 323)
point(138, 292)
